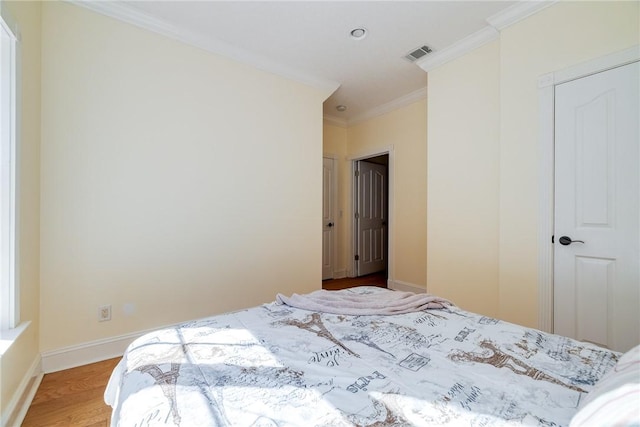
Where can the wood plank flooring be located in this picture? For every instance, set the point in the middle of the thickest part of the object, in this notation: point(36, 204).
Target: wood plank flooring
point(375, 279)
point(74, 397)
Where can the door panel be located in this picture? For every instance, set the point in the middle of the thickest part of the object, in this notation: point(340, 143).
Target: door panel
point(595, 278)
point(328, 222)
point(597, 193)
point(595, 146)
point(372, 217)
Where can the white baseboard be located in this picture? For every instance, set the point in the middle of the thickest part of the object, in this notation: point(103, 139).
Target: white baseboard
point(89, 352)
point(17, 408)
point(398, 285)
point(92, 351)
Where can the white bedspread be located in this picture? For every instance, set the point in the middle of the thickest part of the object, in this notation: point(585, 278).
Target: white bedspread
point(275, 365)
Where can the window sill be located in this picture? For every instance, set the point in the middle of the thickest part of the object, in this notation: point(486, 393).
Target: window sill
point(9, 336)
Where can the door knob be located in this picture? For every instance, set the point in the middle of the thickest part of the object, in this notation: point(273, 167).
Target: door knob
point(330, 224)
point(566, 240)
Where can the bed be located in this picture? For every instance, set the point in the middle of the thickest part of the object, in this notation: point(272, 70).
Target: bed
point(364, 356)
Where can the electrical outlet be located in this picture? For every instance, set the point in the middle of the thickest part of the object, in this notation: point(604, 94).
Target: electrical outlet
point(104, 313)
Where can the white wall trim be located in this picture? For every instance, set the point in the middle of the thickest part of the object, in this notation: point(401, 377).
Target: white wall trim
point(545, 205)
point(396, 104)
point(335, 121)
point(334, 211)
point(9, 195)
point(124, 13)
point(497, 23)
point(90, 352)
point(372, 152)
point(380, 110)
point(517, 13)
point(15, 411)
point(9, 336)
point(597, 65)
point(398, 285)
point(458, 49)
point(546, 92)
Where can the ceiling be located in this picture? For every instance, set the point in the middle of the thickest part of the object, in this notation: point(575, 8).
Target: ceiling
point(310, 40)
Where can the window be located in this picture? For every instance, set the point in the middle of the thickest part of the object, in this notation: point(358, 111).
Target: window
point(9, 307)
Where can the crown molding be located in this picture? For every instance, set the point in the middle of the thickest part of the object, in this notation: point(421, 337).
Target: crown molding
point(124, 13)
point(517, 13)
point(497, 23)
point(335, 121)
point(458, 49)
point(397, 103)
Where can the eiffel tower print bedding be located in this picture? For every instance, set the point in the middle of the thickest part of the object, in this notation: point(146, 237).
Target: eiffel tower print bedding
point(280, 365)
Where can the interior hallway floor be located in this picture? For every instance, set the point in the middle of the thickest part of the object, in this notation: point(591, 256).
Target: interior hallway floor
point(375, 279)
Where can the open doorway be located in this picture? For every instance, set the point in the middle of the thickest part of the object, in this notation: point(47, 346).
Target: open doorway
point(371, 215)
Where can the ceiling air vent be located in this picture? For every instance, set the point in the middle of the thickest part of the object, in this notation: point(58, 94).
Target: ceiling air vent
point(418, 53)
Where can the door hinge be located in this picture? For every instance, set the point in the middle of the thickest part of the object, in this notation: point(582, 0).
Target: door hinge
point(357, 215)
point(357, 173)
point(357, 257)
point(552, 236)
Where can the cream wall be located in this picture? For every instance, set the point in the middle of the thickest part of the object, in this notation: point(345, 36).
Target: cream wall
point(175, 183)
point(334, 140)
point(560, 36)
point(556, 38)
point(406, 130)
point(17, 362)
point(463, 180)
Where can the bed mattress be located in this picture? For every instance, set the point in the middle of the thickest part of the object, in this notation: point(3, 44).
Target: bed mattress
point(277, 365)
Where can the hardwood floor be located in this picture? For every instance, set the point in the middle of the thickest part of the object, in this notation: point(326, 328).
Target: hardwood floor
point(74, 397)
point(375, 279)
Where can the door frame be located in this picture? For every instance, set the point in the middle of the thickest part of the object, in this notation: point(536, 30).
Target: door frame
point(363, 155)
point(334, 212)
point(546, 182)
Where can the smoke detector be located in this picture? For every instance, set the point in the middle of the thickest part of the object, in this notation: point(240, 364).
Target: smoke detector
point(418, 53)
